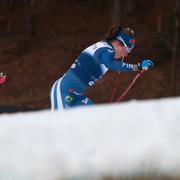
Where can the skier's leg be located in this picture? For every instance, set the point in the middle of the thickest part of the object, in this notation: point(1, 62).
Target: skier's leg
point(60, 96)
point(55, 96)
point(67, 92)
point(86, 101)
point(82, 101)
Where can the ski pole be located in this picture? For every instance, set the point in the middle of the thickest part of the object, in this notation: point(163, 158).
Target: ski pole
point(115, 85)
point(129, 86)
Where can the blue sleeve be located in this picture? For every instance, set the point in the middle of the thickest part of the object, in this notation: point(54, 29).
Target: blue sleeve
point(106, 56)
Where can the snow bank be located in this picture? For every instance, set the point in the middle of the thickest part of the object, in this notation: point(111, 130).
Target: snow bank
point(137, 137)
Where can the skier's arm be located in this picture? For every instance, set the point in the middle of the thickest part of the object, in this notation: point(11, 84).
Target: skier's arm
point(106, 56)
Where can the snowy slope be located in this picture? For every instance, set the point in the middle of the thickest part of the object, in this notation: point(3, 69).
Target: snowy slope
point(85, 143)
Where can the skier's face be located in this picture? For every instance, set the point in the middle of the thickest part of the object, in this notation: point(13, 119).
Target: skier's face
point(121, 51)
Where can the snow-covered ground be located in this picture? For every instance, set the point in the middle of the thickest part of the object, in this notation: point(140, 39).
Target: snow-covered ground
point(87, 143)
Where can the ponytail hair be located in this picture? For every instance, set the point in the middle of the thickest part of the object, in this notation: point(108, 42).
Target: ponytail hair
point(112, 33)
point(115, 30)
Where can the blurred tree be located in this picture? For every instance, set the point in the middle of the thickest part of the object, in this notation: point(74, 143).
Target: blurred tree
point(169, 31)
point(10, 7)
point(168, 18)
point(5, 21)
point(31, 16)
point(124, 10)
point(175, 47)
point(116, 13)
point(11, 4)
point(98, 4)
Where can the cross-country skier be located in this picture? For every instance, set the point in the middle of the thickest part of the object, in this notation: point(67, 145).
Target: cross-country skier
point(92, 64)
point(2, 78)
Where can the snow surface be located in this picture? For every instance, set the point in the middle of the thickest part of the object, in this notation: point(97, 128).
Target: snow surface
point(136, 137)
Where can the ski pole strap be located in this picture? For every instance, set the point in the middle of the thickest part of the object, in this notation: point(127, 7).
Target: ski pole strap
point(129, 86)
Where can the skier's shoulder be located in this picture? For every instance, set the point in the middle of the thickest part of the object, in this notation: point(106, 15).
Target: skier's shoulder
point(104, 48)
point(103, 45)
point(100, 45)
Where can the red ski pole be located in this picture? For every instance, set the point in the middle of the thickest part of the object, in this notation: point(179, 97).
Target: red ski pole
point(129, 86)
point(115, 85)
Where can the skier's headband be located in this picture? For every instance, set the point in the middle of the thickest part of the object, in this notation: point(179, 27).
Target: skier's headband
point(126, 39)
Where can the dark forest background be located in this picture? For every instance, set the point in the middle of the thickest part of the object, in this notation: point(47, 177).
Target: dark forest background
point(40, 39)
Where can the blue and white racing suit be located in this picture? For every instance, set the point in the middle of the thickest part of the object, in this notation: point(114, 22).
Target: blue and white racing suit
point(90, 66)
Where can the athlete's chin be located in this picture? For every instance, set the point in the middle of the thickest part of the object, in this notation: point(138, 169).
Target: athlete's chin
point(123, 56)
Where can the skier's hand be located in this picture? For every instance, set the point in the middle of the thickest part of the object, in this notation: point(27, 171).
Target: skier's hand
point(145, 64)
